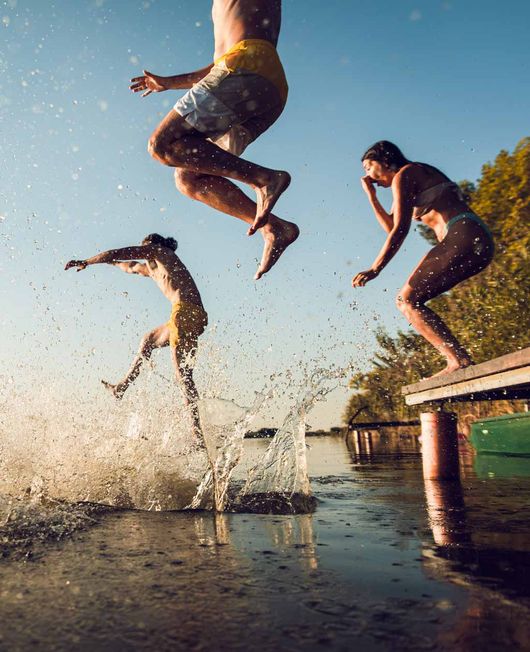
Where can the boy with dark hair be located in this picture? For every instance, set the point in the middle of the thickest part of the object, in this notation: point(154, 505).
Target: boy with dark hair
point(188, 317)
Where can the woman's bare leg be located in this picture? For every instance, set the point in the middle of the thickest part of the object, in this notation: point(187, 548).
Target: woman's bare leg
point(156, 339)
point(430, 326)
point(449, 263)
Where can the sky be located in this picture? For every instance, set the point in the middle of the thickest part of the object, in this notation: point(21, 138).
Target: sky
point(446, 81)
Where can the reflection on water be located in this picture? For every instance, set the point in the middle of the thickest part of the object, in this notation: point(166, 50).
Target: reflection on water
point(369, 447)
point(446, 511)
point(387, 562)
point(497, 578)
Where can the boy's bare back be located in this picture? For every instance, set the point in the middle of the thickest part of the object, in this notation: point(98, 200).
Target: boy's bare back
point(173, 278)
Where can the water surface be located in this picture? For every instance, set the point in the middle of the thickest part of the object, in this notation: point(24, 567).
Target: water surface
point(385, 563)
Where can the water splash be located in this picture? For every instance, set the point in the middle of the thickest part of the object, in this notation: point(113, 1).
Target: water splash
point(280, 479)
point(140, 454)
point(135, 454)
point(216, 480)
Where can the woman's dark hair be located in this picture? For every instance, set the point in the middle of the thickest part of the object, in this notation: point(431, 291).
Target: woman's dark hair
point(386, 153)
point(157, 239)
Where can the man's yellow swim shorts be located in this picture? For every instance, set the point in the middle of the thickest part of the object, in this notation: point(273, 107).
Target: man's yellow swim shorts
point(187, 322)
point(240, 98)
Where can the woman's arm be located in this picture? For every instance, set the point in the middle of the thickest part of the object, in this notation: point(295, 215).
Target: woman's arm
point(385, 219)
point(402, 218)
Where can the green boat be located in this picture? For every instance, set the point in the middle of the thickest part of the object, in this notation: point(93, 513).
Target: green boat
point(492, 465)
point(508, 434)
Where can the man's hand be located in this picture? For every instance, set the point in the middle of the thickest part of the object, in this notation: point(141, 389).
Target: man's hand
point(149, 83)
point(80, 264)
point(362, 278)
point(368, 186)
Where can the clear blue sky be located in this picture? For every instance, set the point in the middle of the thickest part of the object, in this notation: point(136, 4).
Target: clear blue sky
point(447, 81)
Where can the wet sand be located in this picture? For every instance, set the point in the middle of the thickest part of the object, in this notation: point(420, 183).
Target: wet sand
point(385, 563)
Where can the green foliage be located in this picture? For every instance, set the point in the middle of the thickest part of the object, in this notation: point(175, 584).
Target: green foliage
point(488, 313)
point(399, 361)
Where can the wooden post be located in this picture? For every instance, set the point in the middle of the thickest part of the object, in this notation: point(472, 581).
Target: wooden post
point(439, 445)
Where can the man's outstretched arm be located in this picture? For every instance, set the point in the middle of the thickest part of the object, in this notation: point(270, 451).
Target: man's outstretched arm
point(115, 256)
point(150, 83)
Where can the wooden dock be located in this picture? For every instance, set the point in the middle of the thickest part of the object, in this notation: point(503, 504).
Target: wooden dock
point(506, 377)
point(377, 425)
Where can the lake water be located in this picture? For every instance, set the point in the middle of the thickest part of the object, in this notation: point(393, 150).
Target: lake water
point(386, 562)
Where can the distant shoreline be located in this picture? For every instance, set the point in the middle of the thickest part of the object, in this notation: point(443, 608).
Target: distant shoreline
point(268, 433)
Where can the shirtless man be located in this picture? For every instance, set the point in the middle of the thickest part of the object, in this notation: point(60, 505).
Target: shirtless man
point(188, 317)
point(230, 103)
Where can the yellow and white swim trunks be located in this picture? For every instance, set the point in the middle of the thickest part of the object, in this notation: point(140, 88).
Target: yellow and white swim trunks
point(241, 97)
point(187, 322)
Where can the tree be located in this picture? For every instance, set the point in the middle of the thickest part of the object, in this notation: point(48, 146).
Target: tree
point(398, 361)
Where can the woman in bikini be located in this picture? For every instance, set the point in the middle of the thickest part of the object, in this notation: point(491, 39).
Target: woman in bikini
point(465, 244)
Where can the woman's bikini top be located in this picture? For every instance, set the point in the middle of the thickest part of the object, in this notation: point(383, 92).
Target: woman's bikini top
point(424, 200)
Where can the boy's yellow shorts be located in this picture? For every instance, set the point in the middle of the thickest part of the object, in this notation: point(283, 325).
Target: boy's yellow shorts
point(187, 322)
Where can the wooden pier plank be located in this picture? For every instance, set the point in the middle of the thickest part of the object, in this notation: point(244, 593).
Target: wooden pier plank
point(502, 380)
point(375, 425)
point(506, 372)
point(503, 363)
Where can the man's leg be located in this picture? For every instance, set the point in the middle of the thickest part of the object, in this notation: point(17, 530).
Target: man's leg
point(225, 196)
point(177, 144)
point(182, 355)
point(156, 339)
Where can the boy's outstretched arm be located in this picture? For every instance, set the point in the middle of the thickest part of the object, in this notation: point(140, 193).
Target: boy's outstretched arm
point(114, 256)
point(151, 83)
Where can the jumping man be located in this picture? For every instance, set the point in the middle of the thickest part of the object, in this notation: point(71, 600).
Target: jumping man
point(188, 317)
point(230, 103)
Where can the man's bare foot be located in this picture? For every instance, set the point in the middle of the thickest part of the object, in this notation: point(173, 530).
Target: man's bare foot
point(268, 195)
point(452, 366)
point(116, 390)
point(278, 237)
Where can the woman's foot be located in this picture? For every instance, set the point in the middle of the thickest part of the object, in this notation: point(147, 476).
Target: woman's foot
point(452, 366)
